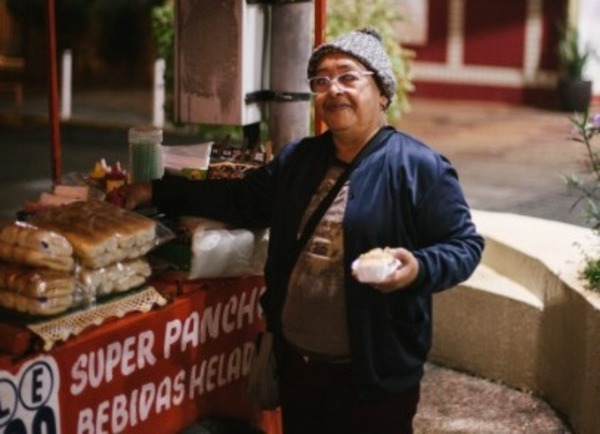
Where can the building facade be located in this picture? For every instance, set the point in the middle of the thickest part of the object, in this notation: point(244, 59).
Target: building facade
point(491, 50)
point(467, 49)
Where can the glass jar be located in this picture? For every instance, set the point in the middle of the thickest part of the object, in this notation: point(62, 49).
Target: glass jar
point(145, 153)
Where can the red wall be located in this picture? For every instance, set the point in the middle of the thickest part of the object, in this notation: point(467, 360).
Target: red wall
point(494, 36)
point(495, 33)
point(435, 50)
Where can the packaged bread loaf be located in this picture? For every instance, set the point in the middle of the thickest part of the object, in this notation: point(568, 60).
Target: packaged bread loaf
point(28, 244)
point(117, 277)
point(35, 306)
point(36, 282)
point(100, 233)
point(36, 291)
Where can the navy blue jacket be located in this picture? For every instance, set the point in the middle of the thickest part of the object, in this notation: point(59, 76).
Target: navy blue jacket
point(403, 194)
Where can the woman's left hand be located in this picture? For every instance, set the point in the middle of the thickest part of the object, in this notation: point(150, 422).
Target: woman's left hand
point(404, 275)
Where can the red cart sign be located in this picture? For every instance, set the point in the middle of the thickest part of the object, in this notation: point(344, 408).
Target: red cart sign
point(149, 372)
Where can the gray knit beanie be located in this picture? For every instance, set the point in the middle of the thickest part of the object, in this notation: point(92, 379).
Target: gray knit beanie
point(365, 46)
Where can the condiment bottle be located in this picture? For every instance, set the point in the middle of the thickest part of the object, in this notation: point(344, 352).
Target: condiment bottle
point(115, 178)
point(98, 174)
point(145, 153)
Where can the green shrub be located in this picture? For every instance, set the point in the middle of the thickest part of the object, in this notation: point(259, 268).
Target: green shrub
point(572, 55)
point(591, 273)
point(347, 15)
point(587, 185)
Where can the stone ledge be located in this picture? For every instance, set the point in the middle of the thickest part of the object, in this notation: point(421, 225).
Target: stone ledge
point(524, 317)
point(488, 280)
point(559, 248)
point(479, 328)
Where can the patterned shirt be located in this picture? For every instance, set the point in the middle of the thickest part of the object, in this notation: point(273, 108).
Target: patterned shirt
point(314, 315)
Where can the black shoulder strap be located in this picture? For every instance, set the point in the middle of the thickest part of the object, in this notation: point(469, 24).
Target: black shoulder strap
point(380, 137)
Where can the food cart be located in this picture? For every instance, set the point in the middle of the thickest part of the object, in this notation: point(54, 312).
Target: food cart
point(133, 348)
point(162, 358)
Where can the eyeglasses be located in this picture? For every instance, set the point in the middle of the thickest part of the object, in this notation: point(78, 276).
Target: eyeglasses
point(345, 80)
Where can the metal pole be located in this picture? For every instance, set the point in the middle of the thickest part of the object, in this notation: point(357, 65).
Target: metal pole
point(290, 49)
point(320, 21)
point(53, 92)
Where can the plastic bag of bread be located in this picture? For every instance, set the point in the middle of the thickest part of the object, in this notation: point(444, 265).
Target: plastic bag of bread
point(37, 291)
point(100, 233)
point(117, 277)
point(24, 243)
point(42, 291)
point(35, 306)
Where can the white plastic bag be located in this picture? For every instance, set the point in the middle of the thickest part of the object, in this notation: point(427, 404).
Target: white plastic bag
point(227, 253)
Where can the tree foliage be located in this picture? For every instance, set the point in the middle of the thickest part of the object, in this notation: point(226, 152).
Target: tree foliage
point(382, 15)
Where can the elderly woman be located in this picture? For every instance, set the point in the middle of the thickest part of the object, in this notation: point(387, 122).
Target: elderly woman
point(353, 351)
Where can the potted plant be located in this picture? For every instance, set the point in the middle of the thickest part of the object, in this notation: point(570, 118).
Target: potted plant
point(575, 92)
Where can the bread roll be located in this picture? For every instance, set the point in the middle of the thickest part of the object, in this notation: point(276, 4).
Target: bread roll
point(375, 266)
point(21, 255)
point(85, 241)
point(36, 282)
point(31, 237)
point(376, 256)
point(129, 283)
point(35, 306)
point(100, 233)
point(120, 276)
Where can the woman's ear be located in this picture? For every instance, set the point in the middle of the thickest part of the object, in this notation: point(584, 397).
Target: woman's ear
point(383, 102)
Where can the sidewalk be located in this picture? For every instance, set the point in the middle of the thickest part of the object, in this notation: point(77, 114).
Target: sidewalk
point(113, 108)
point(509, 159)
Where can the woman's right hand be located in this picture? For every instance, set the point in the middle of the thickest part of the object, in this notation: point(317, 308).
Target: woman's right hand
point(136, 195)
